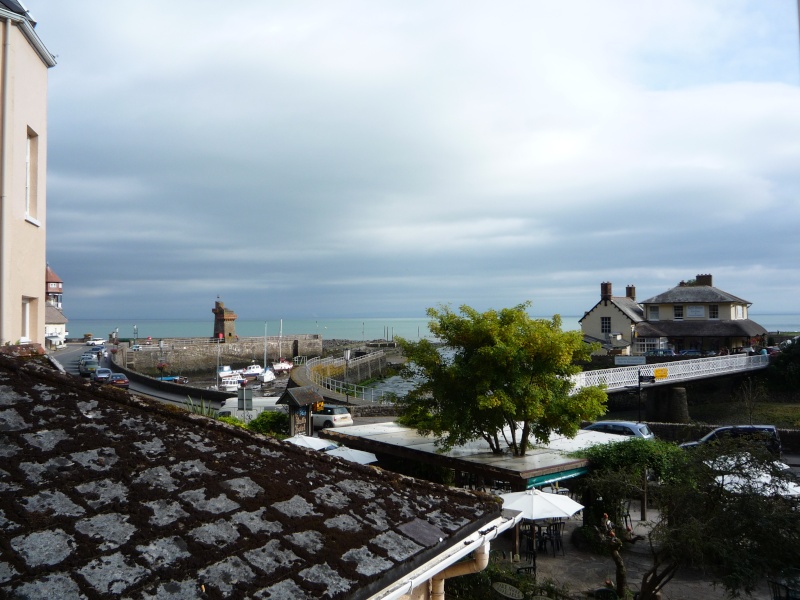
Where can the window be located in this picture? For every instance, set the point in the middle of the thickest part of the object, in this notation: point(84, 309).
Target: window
point(652, 313)
point(31, 177)
point(605, 324)
point(713, 311)
point(739, 311)
point(677, 311)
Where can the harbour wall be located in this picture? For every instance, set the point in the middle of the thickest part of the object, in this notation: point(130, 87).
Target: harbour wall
point(192, 355)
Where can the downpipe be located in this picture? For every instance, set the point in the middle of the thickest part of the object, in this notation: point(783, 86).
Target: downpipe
point(479, 562)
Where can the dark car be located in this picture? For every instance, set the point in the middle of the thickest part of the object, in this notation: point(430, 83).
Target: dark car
point(691, 353)
point(660, 352)
point(119, 380)
point(767, 434)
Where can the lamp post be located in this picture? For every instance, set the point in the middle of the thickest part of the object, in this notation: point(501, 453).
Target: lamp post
point(265, 345)
point(346, 384)
point(135, 334)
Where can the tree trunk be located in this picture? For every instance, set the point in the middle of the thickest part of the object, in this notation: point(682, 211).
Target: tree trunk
point(622, 573)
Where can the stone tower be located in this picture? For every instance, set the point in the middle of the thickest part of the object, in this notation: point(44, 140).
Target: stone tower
point(224, 322)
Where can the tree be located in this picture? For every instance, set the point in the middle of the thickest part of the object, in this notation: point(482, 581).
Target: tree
point(502, 376)
point(722, 506)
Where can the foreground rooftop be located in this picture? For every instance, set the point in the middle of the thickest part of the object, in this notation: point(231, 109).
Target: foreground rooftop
point(102, 493)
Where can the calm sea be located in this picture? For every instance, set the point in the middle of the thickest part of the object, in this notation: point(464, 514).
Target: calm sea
point(347, 329)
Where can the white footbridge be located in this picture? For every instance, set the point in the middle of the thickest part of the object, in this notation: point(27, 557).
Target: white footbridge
point(669, 373)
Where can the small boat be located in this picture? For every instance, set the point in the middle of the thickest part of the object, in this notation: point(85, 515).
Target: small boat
point(231, 384)
point(225, 371)
point(252, 371)
point(266, 376)
point(282, 366)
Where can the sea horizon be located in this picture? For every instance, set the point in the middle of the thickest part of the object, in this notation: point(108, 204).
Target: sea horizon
point(365, 329)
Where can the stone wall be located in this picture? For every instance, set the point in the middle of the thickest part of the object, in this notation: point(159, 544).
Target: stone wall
point(188, 356)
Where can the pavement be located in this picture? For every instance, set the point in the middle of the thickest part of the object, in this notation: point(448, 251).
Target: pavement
point(580, 572)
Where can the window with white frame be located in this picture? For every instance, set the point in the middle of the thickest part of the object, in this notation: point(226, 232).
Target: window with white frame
point(677, 312)
point(31, 175)
point(605, 324)
point(713, 311)
point(652, 313)
point(739, 311)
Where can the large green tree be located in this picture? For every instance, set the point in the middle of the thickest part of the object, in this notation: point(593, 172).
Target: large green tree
point(498, 375)
point(724, 507)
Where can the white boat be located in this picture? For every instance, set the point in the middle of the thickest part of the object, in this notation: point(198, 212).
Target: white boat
point(253, 371)
point(225, 371)
point(266, 376)
point(231, 384)
point(282, 366)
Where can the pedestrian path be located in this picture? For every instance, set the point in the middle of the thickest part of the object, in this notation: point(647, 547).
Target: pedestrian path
point(580, 571)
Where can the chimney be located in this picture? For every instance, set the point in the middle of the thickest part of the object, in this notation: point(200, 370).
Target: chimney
point(630, 292)
point(605, 291)
point(705, 280)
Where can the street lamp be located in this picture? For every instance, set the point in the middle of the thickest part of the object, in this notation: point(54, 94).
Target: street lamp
point(346, 365)
point(135, 334)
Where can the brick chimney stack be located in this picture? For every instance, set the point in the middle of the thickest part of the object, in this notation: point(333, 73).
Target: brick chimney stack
point(704, 280)
point(605, 291)
point(630, 292)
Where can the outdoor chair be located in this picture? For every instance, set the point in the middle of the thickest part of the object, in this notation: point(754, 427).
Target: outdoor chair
point(530, 568)
point(555, 533)
point(626, 514)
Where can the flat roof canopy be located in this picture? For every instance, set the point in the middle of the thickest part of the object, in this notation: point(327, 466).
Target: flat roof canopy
point(541, 464)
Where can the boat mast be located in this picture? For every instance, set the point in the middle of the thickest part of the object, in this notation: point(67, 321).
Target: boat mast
point(265, 344)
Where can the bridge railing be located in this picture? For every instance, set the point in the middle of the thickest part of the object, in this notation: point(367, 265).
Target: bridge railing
point(670, 372)
point(328, 373)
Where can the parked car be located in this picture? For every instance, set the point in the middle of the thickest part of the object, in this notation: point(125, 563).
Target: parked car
point(95, 342)
point(119, 380)
point(766, 434)
point(101, 375)
point(628, 428)
point(695, 353)
point(136, 348)
point(660, 352)
point(332, 416)
point(87, 367)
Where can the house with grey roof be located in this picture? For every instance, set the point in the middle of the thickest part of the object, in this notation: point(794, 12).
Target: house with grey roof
point(611, 322)
point(694, 315)
point(104, 494)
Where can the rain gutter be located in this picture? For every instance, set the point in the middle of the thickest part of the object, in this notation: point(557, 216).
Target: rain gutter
point(4, 210)
point(444, 566)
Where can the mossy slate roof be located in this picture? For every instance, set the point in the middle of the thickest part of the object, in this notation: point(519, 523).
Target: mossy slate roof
point(105, 495)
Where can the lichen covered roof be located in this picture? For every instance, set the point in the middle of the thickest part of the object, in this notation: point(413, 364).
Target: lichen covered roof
point(694, 294)
point(104, 494)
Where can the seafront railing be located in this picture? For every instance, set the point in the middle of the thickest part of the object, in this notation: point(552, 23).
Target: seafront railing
point(325, 372)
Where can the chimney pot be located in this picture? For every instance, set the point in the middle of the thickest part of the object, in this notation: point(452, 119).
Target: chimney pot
point(630, 292)
point(605, 291)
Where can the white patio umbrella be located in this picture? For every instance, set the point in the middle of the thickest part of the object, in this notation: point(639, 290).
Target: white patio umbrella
point(356, 456)
point(536, 505)
point(313, 443)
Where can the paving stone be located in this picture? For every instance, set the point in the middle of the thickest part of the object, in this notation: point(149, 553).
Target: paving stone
point(9, 396)
point(220, 533)
point(7, 571)
point(254, 521)
point(158, 477)
point(446, 522)
point(271, 557)
point(112, 528)
point(244, 487)
point(191, 468)
point(329, 495)
point(311, 541)
point(152, 447)
point(38, 473)
point(44, 547)
point(219, 505)
point(46, 440)
point(344, 523)
point(376, 514)
point(11, 420)
point(164, 551)
point(297, 506)
point(225, 574)
point(101, 493)
point(358, 488)
point(100, 459)
point(46, 501)
point(113, 574)
point(8, 448)
point(53, 586)
point(165, 512)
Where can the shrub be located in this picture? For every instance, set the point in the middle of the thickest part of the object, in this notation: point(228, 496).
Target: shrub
point(271, 422)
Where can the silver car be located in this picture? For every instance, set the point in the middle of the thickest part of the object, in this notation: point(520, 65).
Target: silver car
point(628, 428)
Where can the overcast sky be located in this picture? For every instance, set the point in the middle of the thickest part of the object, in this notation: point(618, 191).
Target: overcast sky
point(358, 159)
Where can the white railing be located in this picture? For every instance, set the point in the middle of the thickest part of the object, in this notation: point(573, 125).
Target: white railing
point(669, 372)
point(614, 379)
point(316, 368)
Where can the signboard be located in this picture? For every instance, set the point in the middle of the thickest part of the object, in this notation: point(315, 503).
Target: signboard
point(660, 373)
point(694, 311)
point(624, 361)
point(245, 398)
point(507, 590)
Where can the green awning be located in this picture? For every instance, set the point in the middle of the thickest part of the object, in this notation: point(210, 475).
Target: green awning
point(552, 477)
